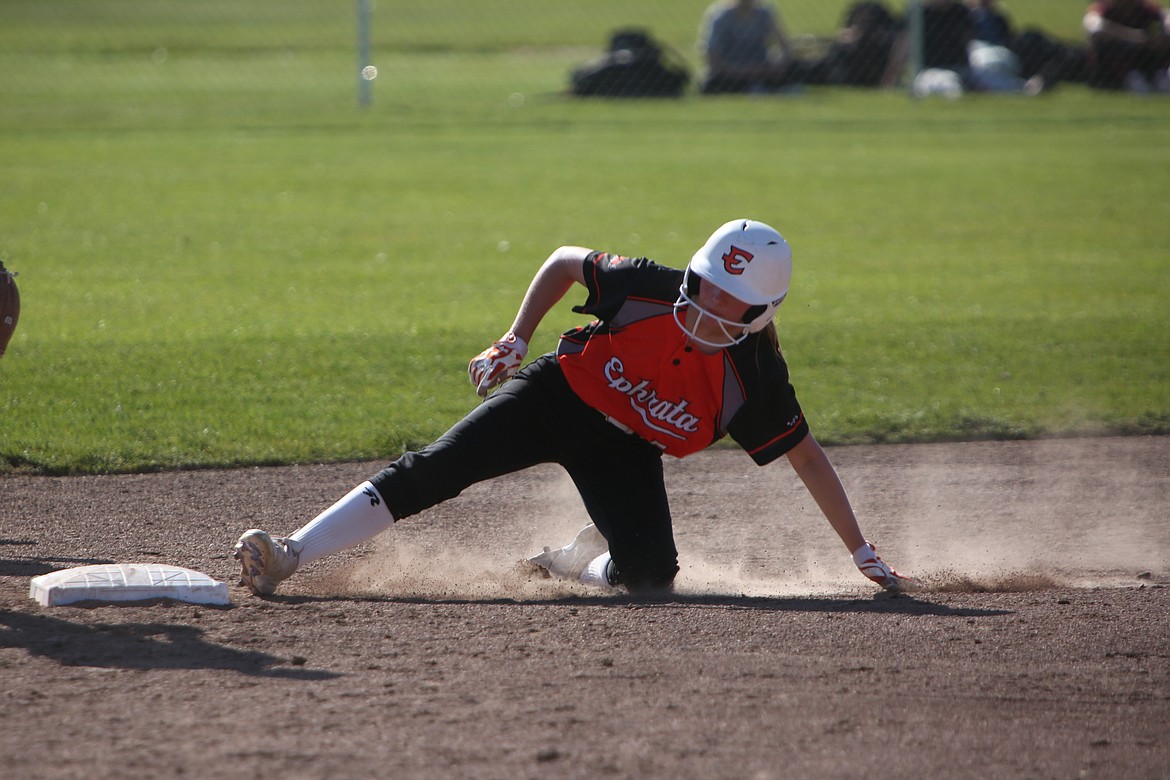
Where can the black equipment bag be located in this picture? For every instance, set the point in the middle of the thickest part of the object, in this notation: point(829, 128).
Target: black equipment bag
point(635, 66)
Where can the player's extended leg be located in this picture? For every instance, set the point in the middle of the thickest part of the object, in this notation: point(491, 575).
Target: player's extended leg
point(520, 425)
point(267, 560)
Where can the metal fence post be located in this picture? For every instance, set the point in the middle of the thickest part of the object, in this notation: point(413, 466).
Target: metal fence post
point(366, 72)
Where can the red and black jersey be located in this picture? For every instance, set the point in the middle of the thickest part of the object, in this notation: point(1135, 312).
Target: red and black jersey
point(635, 365)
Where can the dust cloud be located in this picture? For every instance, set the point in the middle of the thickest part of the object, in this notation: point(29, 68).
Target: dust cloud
point(968, 517)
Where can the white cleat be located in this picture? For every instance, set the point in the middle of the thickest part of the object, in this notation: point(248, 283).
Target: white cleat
point(570, 561)
point(266, 561)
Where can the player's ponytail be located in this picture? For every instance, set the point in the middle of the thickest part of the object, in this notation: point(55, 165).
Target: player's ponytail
point(770, 334)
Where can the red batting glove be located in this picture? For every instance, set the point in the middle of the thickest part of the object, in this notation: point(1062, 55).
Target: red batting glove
point(497, 364)
point(867, 560)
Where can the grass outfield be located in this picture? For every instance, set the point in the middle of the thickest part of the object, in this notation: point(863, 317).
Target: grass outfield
point(260, 272)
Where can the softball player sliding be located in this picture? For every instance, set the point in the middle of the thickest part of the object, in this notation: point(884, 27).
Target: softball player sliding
point(673, 361)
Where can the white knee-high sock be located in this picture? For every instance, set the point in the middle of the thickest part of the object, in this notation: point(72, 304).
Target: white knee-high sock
point(360, 515)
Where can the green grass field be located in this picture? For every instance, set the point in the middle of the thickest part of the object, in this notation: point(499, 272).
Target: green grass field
point(224, 261)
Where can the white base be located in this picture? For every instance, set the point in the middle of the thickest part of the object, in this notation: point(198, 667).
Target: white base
point(126, 582)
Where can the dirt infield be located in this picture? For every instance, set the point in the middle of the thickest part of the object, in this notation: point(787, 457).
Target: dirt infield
point(1041, 648)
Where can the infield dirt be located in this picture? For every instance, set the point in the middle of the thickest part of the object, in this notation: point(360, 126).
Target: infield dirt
point(1039, 649)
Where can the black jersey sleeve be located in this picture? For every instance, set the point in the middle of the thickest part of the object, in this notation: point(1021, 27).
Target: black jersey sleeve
point(611, 279)
point(770, 422)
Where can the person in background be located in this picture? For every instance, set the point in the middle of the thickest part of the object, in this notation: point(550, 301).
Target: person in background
point(861, 54)
point(989, 22)
point(947, 30)
point(1041, 61)
point(994, 67)
point(746, 49)
point(1129, 43)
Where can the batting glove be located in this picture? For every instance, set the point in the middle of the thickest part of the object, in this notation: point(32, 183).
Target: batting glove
point(867, 560)
point(498, 363)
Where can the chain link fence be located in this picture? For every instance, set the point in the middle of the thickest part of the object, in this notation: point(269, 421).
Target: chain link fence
point(83, 59)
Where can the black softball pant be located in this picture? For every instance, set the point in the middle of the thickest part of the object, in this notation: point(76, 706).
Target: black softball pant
point(537, 418)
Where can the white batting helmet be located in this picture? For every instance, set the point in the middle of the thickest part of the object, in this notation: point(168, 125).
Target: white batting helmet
point(746, 259)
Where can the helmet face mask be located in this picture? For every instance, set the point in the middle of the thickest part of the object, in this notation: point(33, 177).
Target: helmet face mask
point(749, 261)
point(729, 332)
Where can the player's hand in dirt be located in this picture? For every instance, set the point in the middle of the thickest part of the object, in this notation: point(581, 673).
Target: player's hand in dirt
point(498, 363)
point(872, 566)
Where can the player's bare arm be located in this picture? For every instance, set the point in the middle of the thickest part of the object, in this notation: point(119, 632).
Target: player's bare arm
point(500, 362)
point(815, 470)
point(812, 465)
point(560, 271)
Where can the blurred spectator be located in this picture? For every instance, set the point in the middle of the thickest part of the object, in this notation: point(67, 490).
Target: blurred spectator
point(1130, 45)
point(862, 53)
point(989, 23)
point(994, 66)
point(973, 45)
point(947, 30)
point(1041, 61)
point(746, 49)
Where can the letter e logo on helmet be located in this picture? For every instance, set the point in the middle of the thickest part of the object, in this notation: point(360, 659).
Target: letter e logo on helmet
point(758, 275)
point(735, 260)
